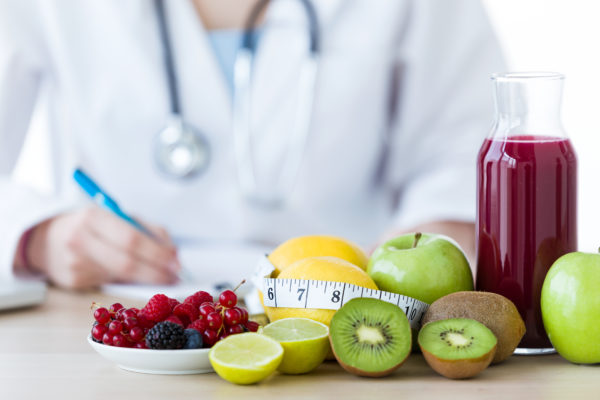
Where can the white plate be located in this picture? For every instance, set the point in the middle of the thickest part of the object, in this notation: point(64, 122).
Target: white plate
point(169, 362)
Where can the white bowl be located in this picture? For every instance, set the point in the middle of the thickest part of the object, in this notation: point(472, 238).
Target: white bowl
point(170, 362)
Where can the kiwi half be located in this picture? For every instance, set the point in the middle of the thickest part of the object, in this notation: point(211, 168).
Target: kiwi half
point(493, 310)
point(370, 337)
point(457, 348)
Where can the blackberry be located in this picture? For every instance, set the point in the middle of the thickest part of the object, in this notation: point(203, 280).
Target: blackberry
point(193, 339)
point(165, 335)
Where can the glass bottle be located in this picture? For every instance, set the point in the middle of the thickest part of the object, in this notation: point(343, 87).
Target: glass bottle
point(526, 196)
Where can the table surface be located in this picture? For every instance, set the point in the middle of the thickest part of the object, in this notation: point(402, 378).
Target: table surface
point(44, 353)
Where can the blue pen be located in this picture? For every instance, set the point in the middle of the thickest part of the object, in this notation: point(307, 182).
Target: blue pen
point(104, 200)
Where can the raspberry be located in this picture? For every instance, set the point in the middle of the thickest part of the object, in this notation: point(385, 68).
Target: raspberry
point(200, 325)
point(157, 309)
point(198, 298)
point(173, 303)
point(186, 311)
point(165, 335)
point(174, 319)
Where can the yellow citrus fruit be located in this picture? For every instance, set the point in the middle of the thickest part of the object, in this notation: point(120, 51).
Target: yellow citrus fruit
point(323, 269)
point(305, 343)
point(245, 358)
point(301, 247)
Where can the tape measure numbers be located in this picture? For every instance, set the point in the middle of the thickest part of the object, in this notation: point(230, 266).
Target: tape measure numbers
point(302, 293)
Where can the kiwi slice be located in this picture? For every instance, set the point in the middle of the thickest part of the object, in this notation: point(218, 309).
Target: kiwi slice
point(493, 310)
point(457, 348)
point(370, 337)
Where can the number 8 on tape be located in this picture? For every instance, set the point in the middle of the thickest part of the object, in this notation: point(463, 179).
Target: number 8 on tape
point(301, 293)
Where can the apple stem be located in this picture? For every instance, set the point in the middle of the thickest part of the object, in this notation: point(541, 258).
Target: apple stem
point(417, 237)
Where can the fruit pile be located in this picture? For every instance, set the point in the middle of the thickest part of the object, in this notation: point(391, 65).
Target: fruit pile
point(165, 323)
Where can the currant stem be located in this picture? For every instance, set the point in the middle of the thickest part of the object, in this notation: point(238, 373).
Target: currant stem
point(417, 237)
point(239, 284)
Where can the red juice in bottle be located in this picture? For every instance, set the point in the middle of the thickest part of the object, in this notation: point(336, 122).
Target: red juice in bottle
point(526, 195)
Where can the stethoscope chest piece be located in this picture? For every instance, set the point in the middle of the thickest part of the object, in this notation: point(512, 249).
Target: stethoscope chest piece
point(181, 151)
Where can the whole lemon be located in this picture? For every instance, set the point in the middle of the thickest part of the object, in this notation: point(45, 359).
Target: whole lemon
point(301, 247)
point(323, 269)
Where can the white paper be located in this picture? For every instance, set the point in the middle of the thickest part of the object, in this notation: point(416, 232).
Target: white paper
point(209, 267)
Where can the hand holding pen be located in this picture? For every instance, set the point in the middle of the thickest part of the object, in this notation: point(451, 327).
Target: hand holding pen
point(92, 246)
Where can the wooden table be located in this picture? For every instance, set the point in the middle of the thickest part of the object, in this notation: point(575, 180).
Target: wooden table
point(44, 355)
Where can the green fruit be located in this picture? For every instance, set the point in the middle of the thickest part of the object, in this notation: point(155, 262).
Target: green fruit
point(425, 267)
point(305, 343)
point(570, 305)
point(496, 312)
point(245, 358)
point(457, 348)
point(370, 337)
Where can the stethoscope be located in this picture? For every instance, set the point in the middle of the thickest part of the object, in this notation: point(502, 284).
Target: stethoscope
point(182, 151)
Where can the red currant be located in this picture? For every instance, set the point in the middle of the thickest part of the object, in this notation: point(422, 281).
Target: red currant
point(209, 337)
point(228, 298)
point(129, 313)
point(232, 317)
point(115, 307)
point(102, 315)
point(232, 330)
point(119, 341)
point(107, 339)
point(214, 320)
point(98, 332)
point(252, 326)
point(115, 327)
point(140, 345)
point(206, 309)
point(130, 322)
point(137, 334)
point(244, 313)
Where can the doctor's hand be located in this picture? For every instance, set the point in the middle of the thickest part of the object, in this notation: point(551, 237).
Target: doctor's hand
point(89, 247)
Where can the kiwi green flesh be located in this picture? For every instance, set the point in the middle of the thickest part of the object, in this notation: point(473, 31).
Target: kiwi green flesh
point(370, 337)
point(457, 339)
point(493, 310)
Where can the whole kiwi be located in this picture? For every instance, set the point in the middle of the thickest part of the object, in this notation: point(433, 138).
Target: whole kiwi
point(496, 312)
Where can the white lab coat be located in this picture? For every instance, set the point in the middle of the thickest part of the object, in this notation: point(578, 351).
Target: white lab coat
point(402, 103)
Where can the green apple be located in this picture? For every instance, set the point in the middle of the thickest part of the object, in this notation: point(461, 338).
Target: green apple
point(570, 305)
point(423, 266)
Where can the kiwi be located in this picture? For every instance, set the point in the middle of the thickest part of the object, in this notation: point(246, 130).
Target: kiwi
point(496, 312)
point(457, 348)
point(370, 337)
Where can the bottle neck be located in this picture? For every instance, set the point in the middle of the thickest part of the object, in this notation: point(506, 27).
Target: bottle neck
point(528, 105)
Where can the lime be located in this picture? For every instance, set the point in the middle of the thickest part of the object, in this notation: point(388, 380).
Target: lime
point(305, 343)
point(245, 358)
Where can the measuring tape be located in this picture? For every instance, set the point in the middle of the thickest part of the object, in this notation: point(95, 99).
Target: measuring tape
point(302, 293)
point(326, 295)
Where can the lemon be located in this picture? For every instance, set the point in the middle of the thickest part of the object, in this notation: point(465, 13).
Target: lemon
point(305, 343)
point(323, 269)
point(301, 247)
point(245, 358)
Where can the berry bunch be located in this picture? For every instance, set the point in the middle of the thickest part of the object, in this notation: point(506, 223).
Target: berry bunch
point(217, 320)
point(121, 327)
point(211, 320)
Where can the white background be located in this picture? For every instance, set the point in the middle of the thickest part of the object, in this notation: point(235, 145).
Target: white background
point(551, 35)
